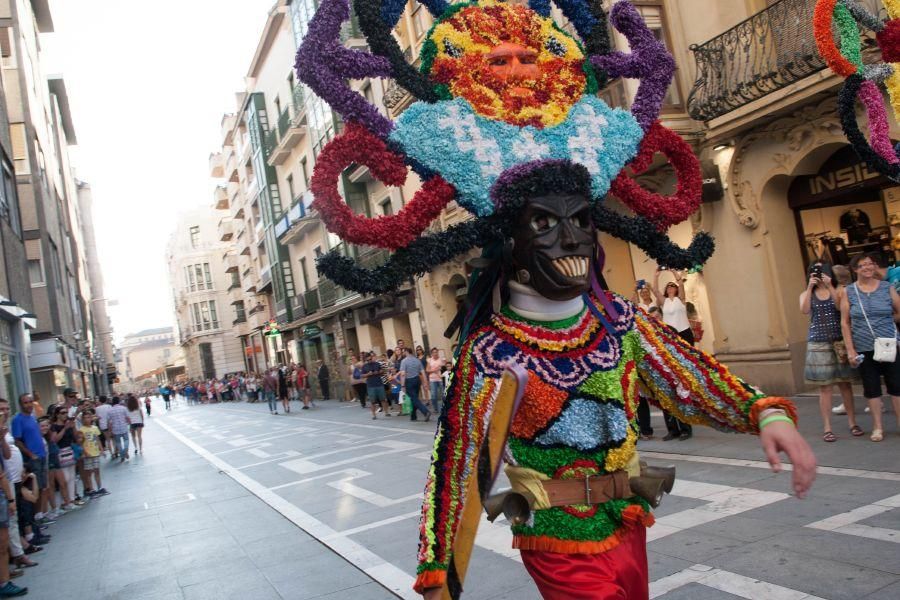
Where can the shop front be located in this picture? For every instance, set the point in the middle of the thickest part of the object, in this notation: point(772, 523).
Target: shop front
point(845, 210)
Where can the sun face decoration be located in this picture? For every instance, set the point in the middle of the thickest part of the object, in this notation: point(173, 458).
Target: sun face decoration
point(509, 63)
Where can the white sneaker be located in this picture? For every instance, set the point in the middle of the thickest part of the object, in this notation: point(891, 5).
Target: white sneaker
point(839, 410)
point(70, 506)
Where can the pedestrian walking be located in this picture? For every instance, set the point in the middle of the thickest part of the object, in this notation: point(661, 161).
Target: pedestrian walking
point(358, 380)
point(674, 314)
point(869, 310)
point(135, 423)
point(302, 377)
point(270, 386)
point(166, 392)
point(412, 378)
point(118, 426)
point(371, 371)
point(434, 367)
point(324, 377)
point(148, 406)
point(826, 354)
point(281, 378)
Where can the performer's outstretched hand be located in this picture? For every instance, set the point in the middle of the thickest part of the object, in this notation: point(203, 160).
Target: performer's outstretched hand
point(784, 437)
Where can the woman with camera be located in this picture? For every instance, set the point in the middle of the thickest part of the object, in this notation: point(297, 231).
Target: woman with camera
point(869, 309)
point(826, 356)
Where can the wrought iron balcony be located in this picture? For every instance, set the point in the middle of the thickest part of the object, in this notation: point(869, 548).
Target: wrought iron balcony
point(765, 53)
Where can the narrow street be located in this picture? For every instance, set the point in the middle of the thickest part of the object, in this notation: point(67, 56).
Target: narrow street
point(231, 502)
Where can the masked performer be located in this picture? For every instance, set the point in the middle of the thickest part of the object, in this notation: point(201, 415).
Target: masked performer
point(508, 125)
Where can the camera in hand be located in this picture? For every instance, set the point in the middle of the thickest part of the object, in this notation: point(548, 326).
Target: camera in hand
point(817, 271)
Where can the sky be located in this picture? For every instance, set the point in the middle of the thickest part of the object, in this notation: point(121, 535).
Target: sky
point(148, 83)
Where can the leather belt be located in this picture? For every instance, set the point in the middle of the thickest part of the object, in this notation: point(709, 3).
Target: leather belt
point(596, 489)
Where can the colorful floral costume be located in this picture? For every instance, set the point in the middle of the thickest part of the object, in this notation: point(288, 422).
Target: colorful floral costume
point(484, 141)
point(578, 418)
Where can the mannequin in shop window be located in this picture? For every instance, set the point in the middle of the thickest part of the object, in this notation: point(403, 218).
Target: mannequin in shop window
point(857, 225)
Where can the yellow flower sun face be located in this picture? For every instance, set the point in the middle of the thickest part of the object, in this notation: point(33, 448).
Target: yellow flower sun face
point(509, 63)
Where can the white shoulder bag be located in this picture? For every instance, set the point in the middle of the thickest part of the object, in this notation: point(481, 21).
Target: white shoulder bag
point(885, 348)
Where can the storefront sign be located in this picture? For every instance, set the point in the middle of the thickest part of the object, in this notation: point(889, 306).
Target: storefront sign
point(311, 331)
point(841, 174)
point(271, 329)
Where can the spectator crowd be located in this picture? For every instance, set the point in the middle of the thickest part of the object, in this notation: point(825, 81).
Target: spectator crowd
point(51, 461)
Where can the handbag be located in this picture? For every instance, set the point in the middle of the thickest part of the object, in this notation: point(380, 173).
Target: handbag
point(66, 457)
point(840, 352)
point(885, 348)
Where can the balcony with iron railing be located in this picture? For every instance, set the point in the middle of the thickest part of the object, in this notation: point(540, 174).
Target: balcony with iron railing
point(763, 54)
point(289, 130)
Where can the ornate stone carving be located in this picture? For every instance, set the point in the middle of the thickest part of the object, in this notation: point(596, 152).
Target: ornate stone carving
point(801, 131)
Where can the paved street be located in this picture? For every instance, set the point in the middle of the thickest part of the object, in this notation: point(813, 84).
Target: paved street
point(231, 502)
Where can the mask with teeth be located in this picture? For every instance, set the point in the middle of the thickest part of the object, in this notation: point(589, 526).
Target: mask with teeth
point(553, 242)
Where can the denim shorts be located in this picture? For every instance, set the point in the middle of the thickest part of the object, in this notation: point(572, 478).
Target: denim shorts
point(39, 468)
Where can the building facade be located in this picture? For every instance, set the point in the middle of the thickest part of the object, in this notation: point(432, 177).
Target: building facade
point(199, 279)
point(750, 95)
point(16, 318)
point(64, 350)
point(149, 358)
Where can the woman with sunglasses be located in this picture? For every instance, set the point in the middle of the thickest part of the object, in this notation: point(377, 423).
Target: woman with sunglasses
point(672, 303)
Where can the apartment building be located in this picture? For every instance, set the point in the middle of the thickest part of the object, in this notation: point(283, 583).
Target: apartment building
point(63, 345)
point(149, 358)
point(16, 318)
point(99, 325)
point(203, 310)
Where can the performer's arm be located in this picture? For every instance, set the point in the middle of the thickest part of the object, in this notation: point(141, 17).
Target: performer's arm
point(460, 432)
point(697, 389)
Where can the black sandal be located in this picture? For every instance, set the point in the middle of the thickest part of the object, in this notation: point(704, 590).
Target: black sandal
point(828, 436)
point(857, 431)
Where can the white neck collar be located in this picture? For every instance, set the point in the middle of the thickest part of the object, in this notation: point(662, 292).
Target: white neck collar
point(524, 300)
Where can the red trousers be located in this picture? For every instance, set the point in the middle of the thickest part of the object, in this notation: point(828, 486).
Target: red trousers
point(619, 574)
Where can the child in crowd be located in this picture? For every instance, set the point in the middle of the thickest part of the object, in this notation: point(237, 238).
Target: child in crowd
point(91, 465)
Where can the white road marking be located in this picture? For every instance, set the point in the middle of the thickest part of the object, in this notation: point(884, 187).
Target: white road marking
point(391, 577)
point(179, 500)
point(277, 457)
point(848, 522)
point(258, 452)
point(376, 524)
point(351, 474)
point(758, 464)
point(723, 501)
point(728, 582)
point(369, 496)
point(306, 464)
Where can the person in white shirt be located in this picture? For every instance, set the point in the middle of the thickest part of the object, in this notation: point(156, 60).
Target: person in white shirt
point(102, 411)
point(674, 312)
point(643, 297)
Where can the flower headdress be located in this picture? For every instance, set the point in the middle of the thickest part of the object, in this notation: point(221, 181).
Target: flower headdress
point(469, 142)
point(864, 81)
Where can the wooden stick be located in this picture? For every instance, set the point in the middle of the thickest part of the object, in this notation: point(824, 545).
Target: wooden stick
point(512, 387)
